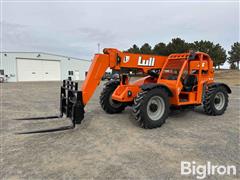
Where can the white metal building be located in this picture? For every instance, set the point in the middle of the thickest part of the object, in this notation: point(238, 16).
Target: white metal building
point(39, 66)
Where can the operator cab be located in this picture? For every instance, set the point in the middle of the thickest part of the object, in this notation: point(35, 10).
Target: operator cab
point(192, 77)
point(184, 73)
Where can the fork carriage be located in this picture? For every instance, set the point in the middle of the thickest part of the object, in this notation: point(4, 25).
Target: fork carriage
point(71, 101)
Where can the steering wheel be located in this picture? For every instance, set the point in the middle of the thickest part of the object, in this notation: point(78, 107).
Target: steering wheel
point(172, 77)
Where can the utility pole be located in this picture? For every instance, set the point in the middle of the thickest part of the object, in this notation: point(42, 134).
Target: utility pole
point(98, 47)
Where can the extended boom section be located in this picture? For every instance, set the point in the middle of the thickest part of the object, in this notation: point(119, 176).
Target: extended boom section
point(99, 65)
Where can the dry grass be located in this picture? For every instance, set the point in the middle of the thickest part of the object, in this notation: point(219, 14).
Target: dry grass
point(230, 77)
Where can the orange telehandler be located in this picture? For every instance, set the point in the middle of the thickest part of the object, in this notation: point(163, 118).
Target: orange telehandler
point(177, 81)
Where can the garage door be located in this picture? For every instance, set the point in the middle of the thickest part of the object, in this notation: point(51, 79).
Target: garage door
point(38, 70)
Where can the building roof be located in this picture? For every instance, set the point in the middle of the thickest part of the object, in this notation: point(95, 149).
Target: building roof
point(45, 53)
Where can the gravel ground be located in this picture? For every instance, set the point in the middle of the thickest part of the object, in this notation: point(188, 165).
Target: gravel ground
point(109, 146)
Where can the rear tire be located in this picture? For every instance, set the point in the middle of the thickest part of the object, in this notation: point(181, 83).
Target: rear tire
point(151, 108)
point(215, 101)
point(107, 103)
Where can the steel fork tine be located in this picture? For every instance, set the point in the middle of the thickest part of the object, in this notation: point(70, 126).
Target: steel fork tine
point(63, 128)
point(39, 118)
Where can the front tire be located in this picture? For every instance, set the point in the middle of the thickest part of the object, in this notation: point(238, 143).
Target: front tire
point(109, 105)
point(215, 101)
point(151, 108)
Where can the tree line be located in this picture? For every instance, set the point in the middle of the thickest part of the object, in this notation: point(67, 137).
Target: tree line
point(178, 45)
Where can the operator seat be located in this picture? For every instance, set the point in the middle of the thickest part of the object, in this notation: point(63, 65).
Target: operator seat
point(189, 82)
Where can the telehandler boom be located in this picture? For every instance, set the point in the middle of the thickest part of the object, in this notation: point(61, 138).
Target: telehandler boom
point(177, 81)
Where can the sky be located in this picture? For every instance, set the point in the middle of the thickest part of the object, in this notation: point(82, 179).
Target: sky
point(75, 28)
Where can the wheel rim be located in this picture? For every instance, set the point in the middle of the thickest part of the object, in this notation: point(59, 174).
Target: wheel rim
point(155, 108)
point(219, 101)
point(113, 103)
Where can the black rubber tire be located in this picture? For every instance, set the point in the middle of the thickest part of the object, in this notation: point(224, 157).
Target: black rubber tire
point(105, 100)
point(208, 102)
point(140, 108)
